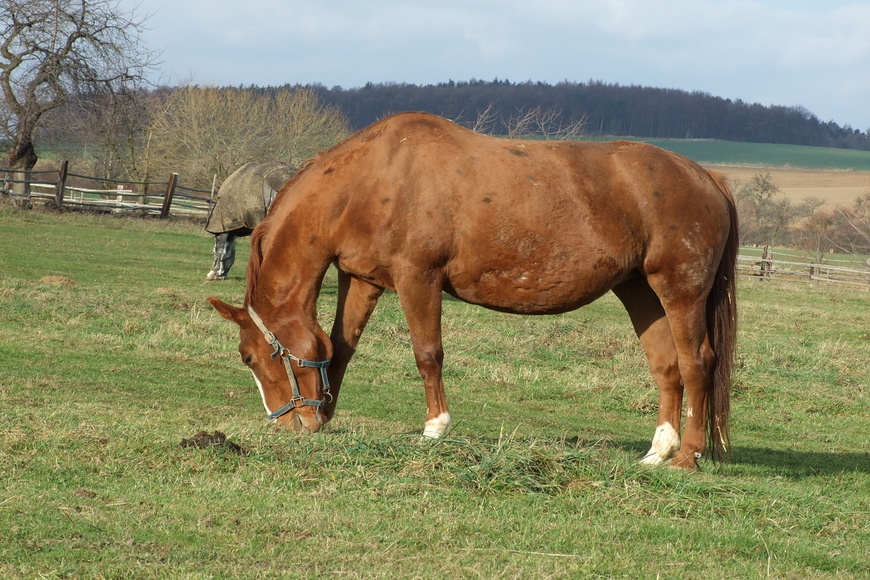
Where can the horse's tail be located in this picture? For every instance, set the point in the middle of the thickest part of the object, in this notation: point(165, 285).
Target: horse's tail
point(722, 327)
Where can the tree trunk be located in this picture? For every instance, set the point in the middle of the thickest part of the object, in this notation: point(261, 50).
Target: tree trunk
point(22, 158)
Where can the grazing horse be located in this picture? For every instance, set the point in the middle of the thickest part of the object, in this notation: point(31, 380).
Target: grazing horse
point(417, 204)
point(242, 203)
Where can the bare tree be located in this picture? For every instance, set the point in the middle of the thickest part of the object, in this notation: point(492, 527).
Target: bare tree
point(53, 49)
point(765, 215)
point(205, 131)
point(535, 122)
point(538, 122)
point(853, 235)
point(300, 126)
point(202, 131)
point(814, 229)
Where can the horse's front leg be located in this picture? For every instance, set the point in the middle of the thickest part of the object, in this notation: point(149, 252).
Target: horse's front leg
point(356, 302)
point(224, 256)
point(421, 303)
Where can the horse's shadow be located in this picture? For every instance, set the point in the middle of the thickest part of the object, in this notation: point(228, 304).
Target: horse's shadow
point(786, 462)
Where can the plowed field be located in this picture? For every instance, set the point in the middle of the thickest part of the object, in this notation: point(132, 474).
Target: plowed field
point(835, 187)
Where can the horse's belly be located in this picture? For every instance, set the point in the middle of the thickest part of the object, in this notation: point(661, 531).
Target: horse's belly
point(536, 290)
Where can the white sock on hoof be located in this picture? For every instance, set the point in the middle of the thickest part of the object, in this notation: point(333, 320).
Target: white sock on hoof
point(665, 444)
point(436, 427)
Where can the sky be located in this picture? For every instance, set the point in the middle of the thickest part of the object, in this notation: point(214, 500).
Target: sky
point(808, 53)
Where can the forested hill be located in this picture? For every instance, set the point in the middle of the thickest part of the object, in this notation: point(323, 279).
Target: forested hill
point(609, 109)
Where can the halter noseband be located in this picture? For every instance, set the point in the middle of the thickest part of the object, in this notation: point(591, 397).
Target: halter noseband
point(298, 400)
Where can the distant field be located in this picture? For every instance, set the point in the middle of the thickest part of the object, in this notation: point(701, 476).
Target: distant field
point(766, 154)
point(837, 176)
point(834, 187)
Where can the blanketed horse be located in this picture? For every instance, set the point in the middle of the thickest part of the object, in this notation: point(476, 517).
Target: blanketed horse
point(243, 200)
point(419, 205)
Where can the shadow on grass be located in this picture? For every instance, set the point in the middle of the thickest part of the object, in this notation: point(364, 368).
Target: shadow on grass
point(798, 463)
point(786, 462)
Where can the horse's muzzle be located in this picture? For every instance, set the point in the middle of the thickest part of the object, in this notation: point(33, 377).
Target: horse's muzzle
point(301, 422)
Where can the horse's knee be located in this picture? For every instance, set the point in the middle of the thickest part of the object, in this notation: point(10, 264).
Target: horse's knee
point(429, 362)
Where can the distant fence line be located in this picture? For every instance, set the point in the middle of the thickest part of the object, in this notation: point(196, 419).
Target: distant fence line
point(769, 267)
point(158, 198)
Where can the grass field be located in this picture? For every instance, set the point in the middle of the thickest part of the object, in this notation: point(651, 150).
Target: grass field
point(111, 357)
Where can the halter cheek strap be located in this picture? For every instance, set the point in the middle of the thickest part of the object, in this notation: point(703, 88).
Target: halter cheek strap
point(288, 358)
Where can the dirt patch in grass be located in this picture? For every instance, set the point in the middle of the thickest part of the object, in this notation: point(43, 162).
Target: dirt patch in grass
point(216, 440)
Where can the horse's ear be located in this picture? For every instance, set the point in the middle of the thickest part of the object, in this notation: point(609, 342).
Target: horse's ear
point(228, 311)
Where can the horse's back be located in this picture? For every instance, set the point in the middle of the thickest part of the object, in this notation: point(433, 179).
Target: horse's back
point(533, 226)
point(517, 225)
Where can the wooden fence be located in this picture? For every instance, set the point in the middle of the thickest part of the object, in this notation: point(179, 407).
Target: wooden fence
point(56, 187)
point(790, 267)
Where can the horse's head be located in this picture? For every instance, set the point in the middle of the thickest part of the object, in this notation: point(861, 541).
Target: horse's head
point(293, 384)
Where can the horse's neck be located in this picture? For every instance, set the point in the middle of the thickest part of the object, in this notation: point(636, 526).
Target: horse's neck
point(289, 291)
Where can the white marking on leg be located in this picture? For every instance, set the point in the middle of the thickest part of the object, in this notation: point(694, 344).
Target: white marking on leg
point(437, 426)
point(665, 444)
point(262, 393)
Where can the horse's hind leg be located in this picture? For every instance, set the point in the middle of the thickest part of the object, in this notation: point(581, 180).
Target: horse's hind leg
point(685, 306)
point(652, 328)
point(356, 302)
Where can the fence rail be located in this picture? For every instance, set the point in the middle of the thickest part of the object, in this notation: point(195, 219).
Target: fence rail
point(767, 268)
point(162, 199)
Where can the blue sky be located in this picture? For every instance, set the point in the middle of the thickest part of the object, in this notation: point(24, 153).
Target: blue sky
point(805, 53)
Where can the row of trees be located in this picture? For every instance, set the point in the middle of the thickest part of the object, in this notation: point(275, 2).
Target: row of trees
point(607, 109)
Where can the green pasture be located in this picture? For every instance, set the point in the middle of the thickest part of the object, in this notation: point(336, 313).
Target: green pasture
point(712, 151)
point(111, 357)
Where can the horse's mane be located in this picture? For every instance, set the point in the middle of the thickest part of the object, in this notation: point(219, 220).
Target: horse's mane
point(254, 262)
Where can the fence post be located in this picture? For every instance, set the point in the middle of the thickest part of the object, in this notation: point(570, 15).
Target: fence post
point(766, 263)
point(61, 183)
point(167, 199)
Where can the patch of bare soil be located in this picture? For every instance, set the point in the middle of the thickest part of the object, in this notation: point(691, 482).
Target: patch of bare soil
point(834, 187)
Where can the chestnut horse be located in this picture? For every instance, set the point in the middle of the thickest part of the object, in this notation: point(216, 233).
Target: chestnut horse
point(417, 204)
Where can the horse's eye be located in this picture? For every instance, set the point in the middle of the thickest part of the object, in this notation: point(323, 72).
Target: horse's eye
point(248, 359)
